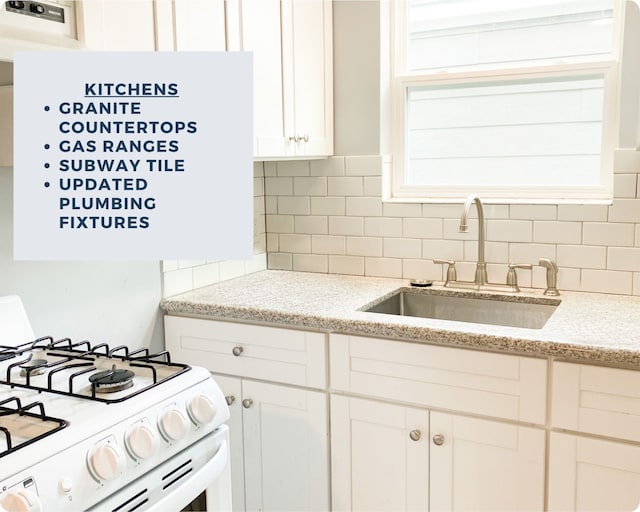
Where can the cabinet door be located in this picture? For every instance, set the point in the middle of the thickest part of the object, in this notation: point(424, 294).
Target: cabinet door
point(199, 25)
point(380, 456)
point(592, 474)
point(308, 76)
point(232, 389)
point(485, 465)
point(121, 25)
point(285, 448)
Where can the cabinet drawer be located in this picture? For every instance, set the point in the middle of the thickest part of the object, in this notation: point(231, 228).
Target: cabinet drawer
point(597, 400)
point(499, 385)
point(269, 353)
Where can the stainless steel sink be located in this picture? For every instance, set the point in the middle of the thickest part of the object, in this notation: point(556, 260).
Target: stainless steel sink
point(496, 310)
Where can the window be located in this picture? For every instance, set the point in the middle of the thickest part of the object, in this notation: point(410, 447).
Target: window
point(515, 101)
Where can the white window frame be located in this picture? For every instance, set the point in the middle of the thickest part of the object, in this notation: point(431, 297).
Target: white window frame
point(394, 187)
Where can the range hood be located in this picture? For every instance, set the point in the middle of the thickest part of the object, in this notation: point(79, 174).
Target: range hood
point(28, 25)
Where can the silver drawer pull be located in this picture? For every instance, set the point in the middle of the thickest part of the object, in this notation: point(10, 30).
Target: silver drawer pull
point(237, 351)
point(438, 439)
point(247, 402)
point(230, 399)
point(415, 435)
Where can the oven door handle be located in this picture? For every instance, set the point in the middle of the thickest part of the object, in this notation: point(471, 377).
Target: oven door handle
point(191, 488)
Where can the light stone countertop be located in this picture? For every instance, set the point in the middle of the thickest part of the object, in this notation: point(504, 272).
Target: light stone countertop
point(585, 326)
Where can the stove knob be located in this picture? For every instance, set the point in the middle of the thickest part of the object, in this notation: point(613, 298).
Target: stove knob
point(106, 461)
point(201, 409)
point(142, 441)
point(20, 500)
point(173, 424)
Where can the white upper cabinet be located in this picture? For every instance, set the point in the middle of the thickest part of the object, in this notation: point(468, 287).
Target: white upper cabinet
point(149, 25)
point(117, 25)
point(291, 41)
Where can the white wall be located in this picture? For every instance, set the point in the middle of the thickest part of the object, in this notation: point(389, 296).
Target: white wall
point(115, 303)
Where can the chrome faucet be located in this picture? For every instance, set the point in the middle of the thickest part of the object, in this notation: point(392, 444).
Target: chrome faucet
point(481, 266)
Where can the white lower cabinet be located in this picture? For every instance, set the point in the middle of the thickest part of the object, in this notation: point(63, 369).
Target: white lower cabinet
point(279, 446)
point(593, 474)
point(394, 457)
point(275, 382)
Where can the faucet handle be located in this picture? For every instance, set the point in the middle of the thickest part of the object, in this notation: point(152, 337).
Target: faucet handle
point(452, 275)
point(552, 276)
point(512, 276)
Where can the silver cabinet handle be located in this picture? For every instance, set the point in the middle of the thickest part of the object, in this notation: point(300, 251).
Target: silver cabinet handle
point(415, 435)
point(438, 439)
point(305, 137)
point(230, 399)
point(298, 138)
point(237, 351)
point(247, 402)
point(294, 138)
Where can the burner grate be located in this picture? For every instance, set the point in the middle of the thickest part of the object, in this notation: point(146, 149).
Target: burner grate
point(84, 357)
point(20, 418)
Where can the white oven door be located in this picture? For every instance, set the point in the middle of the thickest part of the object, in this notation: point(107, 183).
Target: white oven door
point(174, 484)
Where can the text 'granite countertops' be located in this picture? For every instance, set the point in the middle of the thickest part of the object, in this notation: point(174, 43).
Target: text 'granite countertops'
point(585, 326)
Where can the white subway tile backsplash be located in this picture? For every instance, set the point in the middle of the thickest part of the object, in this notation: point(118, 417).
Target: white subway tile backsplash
point(177, 281)
point(258, 186)
point(271, 205)
point(292, 205)
point(363, 165)
point(280, 261)
point(327, 205)
point(421, 269)
point(310, 263)
point(353, 265)
point(279, 186)
point(443, 249)
point(310, 186)
point(328, 244)
point(422, 228)
point(491, 211)
point(205, 275)
point(295, 243)
point(401, 209)
point(568, 279)
point(582, 256)
point(270, 169)
point(230, 269)
point(530, 253)
point(626, 161)
point(168, 265)
point(494, 252)
point(345, 186)
point(585, 213)
point(625, 210)
point(607, 233)
point(637, 235)
point(372, 186)
point(364, 206)
point(509, 231)
point(333, 166)
point(623, 258)
point(442, 210)
point(293, 168)
point(557, 232)
point(383, 226)
point(364, 246)
point(353, 226)
point(636, 283)
point(533, 212)
point(606, 281)
point(311, 224)
point(280, 223)
point(190, 263)
point(451, 229)
point(402, 248)
point(383, 267)
point(257, 263)
point(625, 185)
point(273, 242)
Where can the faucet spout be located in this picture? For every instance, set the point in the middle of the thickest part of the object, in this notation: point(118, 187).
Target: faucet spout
point(481, 266)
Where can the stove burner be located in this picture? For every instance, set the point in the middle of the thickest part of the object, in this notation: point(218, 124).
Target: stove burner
point(37, 367)
point(110, 381)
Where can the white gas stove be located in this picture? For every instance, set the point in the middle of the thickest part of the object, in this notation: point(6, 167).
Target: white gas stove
point(93, 427)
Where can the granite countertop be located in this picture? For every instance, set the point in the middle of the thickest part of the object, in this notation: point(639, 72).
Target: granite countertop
point(584, 327)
